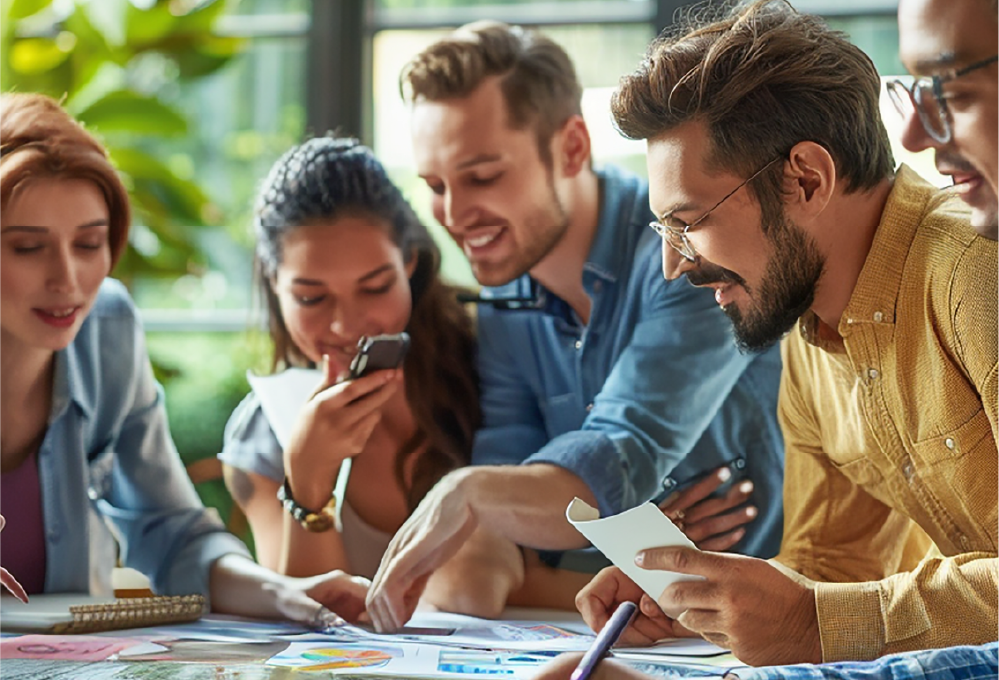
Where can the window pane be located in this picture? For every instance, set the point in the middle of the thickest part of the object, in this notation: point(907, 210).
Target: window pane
point(244, 117)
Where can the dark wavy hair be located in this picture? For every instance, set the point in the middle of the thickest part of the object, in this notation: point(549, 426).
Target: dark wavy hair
point(326, 178)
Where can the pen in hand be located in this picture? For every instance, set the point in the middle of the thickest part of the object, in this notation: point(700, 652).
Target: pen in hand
point(605, 639)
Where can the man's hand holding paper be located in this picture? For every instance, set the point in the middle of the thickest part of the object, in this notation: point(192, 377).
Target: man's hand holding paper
point(743, 603)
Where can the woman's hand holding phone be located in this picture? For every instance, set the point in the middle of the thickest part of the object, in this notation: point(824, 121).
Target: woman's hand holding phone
point(335, 424)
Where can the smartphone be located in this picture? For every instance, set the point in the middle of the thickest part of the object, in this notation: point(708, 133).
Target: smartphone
point(378, 353)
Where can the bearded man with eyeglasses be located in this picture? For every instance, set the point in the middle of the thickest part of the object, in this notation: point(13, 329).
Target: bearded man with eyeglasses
point(774, 184)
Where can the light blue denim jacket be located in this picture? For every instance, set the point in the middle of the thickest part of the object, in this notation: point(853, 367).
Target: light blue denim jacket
point(108, 447)
point(650, 394)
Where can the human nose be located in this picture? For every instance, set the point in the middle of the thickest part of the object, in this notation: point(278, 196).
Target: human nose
point(914, 135)
point(675, 265)
point(458, 212)
point(61, 274)
point(347, 321)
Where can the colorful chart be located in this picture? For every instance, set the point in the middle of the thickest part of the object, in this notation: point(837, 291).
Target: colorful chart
point(322, 658)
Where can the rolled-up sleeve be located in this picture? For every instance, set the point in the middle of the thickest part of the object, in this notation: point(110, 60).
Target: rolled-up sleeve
point(162, 526)
point(664, 390)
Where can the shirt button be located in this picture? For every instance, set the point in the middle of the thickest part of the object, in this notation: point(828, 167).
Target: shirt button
point(53, 535)
point(965, 542)
point(598, 286)
point(949, 443)
point(907, 470)
point(872, 373)
point(589, 407)
point(878, 316)
point(849, 320)
point(578, 344)
point(92, 494)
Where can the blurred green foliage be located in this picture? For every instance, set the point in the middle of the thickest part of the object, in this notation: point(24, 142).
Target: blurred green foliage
point(107, 60)
point(113, 63)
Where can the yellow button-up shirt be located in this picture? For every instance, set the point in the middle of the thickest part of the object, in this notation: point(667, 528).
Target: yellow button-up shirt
point(890, 485)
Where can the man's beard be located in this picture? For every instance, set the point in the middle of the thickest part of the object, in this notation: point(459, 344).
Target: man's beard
point(543, 229)
point(785, 292)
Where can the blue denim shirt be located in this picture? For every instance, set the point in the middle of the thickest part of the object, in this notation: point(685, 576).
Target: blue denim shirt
point(651, 394)
point(108, 447)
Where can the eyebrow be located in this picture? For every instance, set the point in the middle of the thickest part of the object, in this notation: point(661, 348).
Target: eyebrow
point(477, 160)
point(941, 60)
point(367, 277)
point(31, 229)
point(679, 207)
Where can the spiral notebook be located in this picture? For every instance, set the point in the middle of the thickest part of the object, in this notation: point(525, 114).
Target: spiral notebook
point(64, 614)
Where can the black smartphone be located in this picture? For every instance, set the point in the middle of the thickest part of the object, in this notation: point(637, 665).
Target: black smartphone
point(378, 353)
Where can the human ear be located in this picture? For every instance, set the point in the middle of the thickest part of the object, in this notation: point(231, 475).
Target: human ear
point(410, 266)
point(572, 151)
point(809, 180)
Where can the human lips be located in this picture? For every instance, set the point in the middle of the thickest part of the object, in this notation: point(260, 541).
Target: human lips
point(724, 294)
point(341, 353)
point(60, 317)
point(481, 241)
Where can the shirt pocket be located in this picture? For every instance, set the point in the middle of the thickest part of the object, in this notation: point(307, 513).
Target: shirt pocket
point(955, 442)
point(563, 413)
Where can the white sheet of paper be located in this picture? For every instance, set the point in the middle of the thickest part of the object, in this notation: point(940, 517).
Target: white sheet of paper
point(623, 536)
point(282, 397)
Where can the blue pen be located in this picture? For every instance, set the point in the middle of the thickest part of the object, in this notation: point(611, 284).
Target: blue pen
point(606, 638)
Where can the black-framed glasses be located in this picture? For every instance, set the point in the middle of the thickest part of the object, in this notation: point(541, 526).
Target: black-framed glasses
point(674, 230)
point(926, 96)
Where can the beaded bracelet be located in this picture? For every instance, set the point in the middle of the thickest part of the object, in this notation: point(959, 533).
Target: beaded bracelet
point(320, 520)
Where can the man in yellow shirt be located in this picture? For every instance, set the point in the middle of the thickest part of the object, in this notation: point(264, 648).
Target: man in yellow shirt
point(952, 105)
point(773, 179)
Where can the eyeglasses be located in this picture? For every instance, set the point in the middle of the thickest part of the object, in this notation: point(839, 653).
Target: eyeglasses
point(674, 230)
point(927, 97)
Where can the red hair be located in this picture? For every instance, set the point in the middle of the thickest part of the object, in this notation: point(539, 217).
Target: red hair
point(38, 139)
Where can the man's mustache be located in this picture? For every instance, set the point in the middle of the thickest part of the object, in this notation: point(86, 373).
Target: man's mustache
point(707, 274)
point(949, 161)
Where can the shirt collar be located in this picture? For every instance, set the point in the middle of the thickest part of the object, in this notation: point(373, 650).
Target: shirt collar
point(610, 255)
point(68, 382)
point(874, 297)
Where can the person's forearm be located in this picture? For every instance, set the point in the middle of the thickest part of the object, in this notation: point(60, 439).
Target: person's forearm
point(526, 503)
point(307, 553)
point(238, 587)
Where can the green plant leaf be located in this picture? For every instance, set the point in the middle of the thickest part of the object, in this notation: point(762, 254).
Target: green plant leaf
point(145, 26)
point(203, 18)
point(19, 9)
point(127, 111)
point(161, 185)
point(31, 56)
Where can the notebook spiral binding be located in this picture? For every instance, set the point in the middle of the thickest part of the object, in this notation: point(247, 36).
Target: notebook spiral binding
point(137, 612)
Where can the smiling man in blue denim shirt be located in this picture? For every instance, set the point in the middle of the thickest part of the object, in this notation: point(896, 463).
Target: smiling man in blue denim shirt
point(611, 384)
